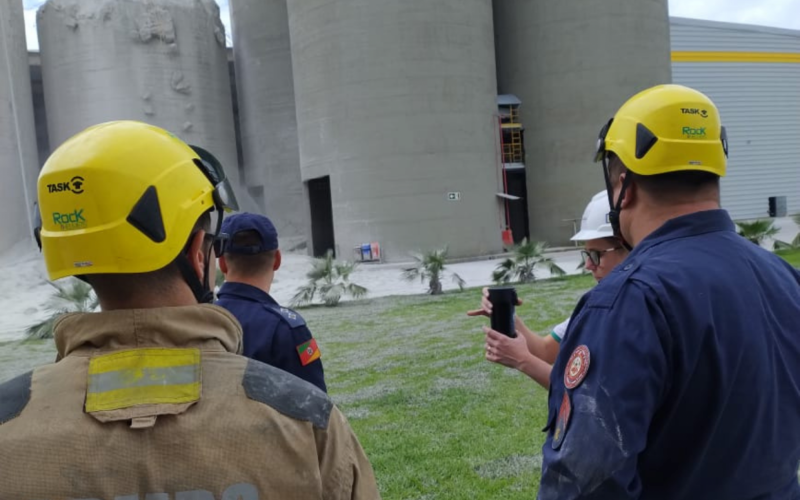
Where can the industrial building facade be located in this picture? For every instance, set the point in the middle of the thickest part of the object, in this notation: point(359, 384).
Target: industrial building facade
point(752, 73)
point(388, 127)
point(366, 125)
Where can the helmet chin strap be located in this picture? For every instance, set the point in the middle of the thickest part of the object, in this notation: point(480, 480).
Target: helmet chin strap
point(202, 291)
point(616, 208)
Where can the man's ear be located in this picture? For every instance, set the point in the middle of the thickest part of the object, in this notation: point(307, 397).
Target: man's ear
point(278, 259)
point(197, 255)
point(223, 265)
point(631, 192)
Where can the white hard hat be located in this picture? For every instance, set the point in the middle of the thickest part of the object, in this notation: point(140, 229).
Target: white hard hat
point(594, 223)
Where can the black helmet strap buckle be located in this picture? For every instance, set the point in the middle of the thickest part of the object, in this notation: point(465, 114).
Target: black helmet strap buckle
point(615, 207)
point(202, 291)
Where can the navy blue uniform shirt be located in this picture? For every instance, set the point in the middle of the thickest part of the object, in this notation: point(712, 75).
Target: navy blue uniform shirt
point(679, 377)
point(272, 334)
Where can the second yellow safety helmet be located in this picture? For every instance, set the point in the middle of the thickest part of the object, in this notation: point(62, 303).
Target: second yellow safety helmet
point(666, 128)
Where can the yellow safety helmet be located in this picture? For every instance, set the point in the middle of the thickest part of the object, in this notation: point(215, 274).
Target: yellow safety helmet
point(666, 128)
point(123, 197)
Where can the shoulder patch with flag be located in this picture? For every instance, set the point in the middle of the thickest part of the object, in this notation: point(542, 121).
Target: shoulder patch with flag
point(308, 351)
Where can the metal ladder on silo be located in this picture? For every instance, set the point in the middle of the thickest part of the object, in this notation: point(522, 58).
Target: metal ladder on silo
point(515, 146)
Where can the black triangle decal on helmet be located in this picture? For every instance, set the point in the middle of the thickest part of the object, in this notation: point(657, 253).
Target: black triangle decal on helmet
point(146, 216)
point(645, 140)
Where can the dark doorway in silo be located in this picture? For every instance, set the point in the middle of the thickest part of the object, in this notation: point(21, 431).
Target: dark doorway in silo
point(319, 196)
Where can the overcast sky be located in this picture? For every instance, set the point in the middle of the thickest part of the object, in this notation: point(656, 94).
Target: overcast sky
point(776, 13)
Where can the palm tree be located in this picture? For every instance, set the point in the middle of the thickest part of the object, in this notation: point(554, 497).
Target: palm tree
point(795, 243)
point(757, 231)
point(331, 280)
point(528, 255)
point(72, 296)
point(782, 245)
point(430, 267)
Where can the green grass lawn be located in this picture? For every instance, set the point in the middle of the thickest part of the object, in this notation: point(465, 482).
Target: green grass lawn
point(791, 256)
point(435, 418)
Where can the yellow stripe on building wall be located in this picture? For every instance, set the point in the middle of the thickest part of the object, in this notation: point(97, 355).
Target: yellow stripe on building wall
point(737, 57)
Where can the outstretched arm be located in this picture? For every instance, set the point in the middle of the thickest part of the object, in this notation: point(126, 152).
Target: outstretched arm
point(514, 354)
point(545, 348)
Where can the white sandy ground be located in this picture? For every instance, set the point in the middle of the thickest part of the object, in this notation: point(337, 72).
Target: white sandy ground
point(25, 290)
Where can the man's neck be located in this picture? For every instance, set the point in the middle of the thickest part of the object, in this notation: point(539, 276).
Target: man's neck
point(175, 297)
point(262, 283)
point(646, 223)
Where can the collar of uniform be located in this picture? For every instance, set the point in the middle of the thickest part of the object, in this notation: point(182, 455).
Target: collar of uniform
point(707, 221)
point(246, 291)
point(201, 326)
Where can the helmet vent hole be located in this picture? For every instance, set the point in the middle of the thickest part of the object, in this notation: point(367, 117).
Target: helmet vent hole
point(645, 140)
point(146, 216)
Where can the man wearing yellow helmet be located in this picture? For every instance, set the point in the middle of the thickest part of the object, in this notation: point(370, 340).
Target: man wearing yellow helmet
point(680, 375)
point(149, 398)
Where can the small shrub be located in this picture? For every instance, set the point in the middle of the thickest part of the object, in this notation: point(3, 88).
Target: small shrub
point(72, 295)
point(330, 280)
point(757, 231)
point(527, 256)
point(430, 267)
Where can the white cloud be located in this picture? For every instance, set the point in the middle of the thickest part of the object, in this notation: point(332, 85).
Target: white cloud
point(225, 15)
point(31, 6)
point(777, 13)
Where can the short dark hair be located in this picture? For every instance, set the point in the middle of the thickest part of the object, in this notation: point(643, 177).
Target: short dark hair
point(249, 264)
point(672, 186)
point(615, 168)
point(160, 280)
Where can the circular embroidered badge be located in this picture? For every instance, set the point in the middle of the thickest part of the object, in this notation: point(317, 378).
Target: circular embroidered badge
point(563, 422)
point(577, 367)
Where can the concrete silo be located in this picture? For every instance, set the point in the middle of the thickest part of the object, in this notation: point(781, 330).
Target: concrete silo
point(18, 156)
point(267, 119)
point(162, 62)
point(396, 115)
point(572, 64)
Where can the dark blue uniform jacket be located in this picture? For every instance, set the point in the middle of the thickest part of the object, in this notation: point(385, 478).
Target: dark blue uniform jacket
point(692, 390)
point(272, 333)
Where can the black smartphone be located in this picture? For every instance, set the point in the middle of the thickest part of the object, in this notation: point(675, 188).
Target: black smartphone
point(504, 301)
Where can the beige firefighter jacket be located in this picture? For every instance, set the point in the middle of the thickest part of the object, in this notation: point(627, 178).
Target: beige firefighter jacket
point(156, 405)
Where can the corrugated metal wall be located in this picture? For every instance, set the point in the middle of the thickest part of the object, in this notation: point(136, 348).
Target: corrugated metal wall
point(760, 107)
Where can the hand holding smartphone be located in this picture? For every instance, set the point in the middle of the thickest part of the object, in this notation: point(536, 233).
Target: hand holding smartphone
point(504, 300)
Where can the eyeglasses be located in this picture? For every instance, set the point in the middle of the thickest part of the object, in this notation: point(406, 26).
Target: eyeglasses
point(595, 255)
